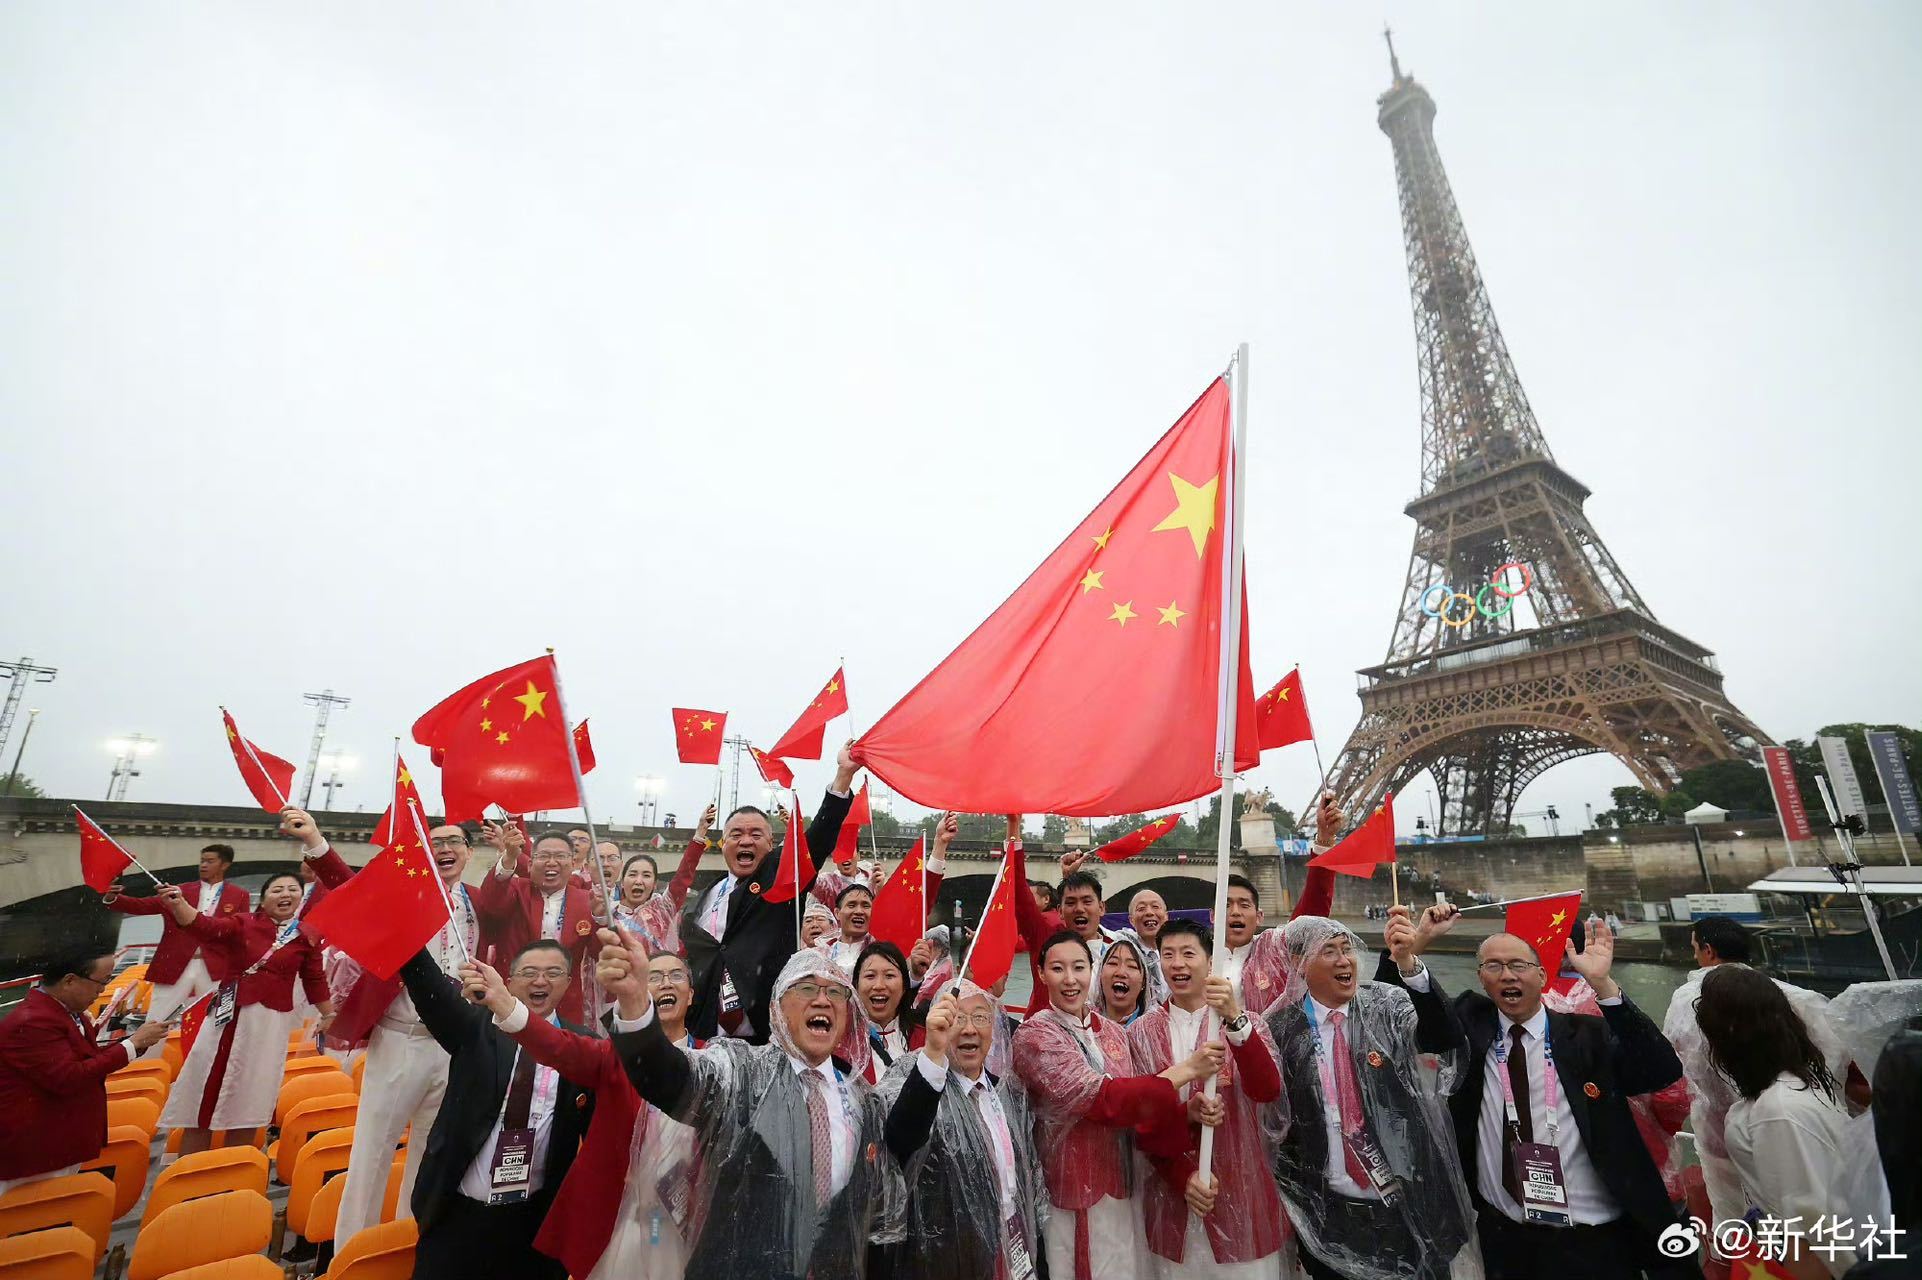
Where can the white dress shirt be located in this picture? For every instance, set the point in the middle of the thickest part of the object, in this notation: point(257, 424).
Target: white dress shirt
point(1184, 1034)
point(845, 953)
point(1589, 1202)
point(478, 1182)
point(1798, 1155)
point(713, 915)
point(210, 896)
point(987, 1104)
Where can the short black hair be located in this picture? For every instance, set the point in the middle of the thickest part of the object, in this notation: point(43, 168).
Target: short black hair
point(633, 858)
point(1066, 935)
point(748, 808)
point(1044, 887)
point(544, 944)
point(1727, 937)
point(225, 852)
point(1081, 880)
point(1238, 881)
point(72, 962)
point(283, 875)
point(856, 887)
point(583, 830)
point(1179, 927)
point(552, 833)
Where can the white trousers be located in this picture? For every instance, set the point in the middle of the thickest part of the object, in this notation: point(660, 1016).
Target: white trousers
point(170, 998)
point(1200, 1263)
point(403, 1083)
point(1117, 1242)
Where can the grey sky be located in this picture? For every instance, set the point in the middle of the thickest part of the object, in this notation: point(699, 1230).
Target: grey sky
point(377, 346)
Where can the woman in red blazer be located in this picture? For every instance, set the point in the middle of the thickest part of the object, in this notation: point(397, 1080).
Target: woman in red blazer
point(232, 1073)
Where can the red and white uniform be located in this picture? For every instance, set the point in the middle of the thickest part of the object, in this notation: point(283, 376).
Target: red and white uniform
point(232, 1076)
point(1242, 1239)
point(53, 1095)
point(182, 969)
point(514, 913)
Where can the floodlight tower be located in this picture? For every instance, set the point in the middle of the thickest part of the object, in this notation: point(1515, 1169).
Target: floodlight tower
point(324, 702)
point(19, 675)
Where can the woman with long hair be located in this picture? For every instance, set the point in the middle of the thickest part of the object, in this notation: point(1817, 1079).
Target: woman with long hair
point(231, 1076)
point(1124, 979)
point(1788, 1132)
point(884, 992)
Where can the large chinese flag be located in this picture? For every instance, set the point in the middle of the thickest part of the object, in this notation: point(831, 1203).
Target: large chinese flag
point(269, 778)
point(405, 794)
point(390, 909)
point(1137, 840)
point(1281, 717)
point(101, 857)
point(1359, 852)
point(1092, 690)
point(803, 740)
point(698, 735)
point(501, 741)
point(992, 954)
point(794, 853)
point(1545, 925)
point(901, 907)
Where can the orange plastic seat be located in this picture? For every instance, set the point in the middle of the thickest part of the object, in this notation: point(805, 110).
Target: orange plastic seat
point(323, 1214)
point(136, 1113)
point(252, 1266)
point(124, 1159)
point(360, 1073)
point(310, 1084)
point(390, 1203)
point(301, 1064)
point(171, 1053)
point(206, 1173)
point(323, 1158)
point(137, 1087)
point(316, 1115)
point(383, 1252)
point(58, 1253)
point(83, 1200)
point(154, 1067)
point(197, 1232)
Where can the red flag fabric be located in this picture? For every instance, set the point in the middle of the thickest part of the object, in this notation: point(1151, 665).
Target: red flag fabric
point(803, 740)
point(1140, 838)
point(501, 741)
point(390, 909)
point(1367, 846)
point(191, 1019)
point(405, 794)
point(1546, 925)
point(794, 851)
point(860, 812)
point(1281, 717)
point(1092, 689)
point(101, 857)
point(847, 845)
point(900, 908)
point(269, 778)
point(698, 734)
point(583, 748)
point(773, 772)
point(992, 954)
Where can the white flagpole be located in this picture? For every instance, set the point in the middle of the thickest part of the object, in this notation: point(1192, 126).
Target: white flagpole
point(1228, 689)
point(580, 791)
point(446, 898)
point(961, 973)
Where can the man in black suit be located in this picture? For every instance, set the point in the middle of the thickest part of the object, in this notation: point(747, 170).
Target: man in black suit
point(507, 1129)
point(1563, 1184)
point(737, 942)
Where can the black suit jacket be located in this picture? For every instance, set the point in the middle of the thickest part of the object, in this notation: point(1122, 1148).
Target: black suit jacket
point(482, 1066)
point(1599, 1063)
point(760, 935)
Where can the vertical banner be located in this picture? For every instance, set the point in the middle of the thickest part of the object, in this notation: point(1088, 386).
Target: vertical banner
point(1898, 788)
point(1788, 796)
point(1842, 780)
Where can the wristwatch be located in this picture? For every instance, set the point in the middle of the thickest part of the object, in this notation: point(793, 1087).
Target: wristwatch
point(1238, 1025)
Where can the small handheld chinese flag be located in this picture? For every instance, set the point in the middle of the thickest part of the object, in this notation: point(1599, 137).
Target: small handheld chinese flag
point(1281, 716)
point(405, 794)
point(1366, 847)
point(1546, 925)
point(900, 907)
point(698, 735)
point(583, 748)
point(192, 1019)
point(847, 845)
point(773, 772)
point(787, 880)
point(992, 954)
point(101, 857)
point(1140, 838)
point(501, 741)
point(390, 909)
point(268, 777)
point(803, 740)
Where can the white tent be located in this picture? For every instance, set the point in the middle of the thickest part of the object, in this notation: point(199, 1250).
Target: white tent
point(1705, 812)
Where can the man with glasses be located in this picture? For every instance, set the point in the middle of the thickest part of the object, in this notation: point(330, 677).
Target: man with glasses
point(53, 1077)
point(406, 1073)
point(543, 903)
point(1563, 1184)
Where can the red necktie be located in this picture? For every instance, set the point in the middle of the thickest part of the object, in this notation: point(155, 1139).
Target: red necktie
point(823, 1144)
point(1347, 1097)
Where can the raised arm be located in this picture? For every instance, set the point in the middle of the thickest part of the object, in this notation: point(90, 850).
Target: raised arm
point(1318, 889)
point(683, 882)
point(825, 831)
point(1028, 916)
point(448, 1017)
point(580, 1059)
point(114, 900)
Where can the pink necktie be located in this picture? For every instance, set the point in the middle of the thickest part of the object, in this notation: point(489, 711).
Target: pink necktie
point(1347, 1096)
point(817, 1090)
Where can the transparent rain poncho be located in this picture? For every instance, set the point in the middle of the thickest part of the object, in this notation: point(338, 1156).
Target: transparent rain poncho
point(946, 1217)
point(754, 1196)
point(1868, 1013)
point(1420, 1229)
point(1127, 941)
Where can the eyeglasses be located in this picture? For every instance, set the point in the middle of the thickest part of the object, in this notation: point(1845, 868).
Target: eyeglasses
point(982, 1021)
point(98, 982)
point(810, 990)
point(1514, 968)
point(448, 842)
point(551, 856)
point(671, 976)
point(552, 975)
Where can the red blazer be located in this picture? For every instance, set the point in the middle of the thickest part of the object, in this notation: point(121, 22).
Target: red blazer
point(580, 1222)
point(510, 917)
point(241, 940)
point(53, 1092)
point(177, 946)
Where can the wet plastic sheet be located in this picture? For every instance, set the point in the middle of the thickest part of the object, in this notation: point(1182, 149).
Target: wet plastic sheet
point(1868, 1013)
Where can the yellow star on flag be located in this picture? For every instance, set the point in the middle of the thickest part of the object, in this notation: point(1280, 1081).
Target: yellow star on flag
point(1194, 510)
point(1101, 539)
point(707, 726)
point(487, 726)
point(1171, 615)
point(501, 738)
point(1558, 917)
point(406, 779)
point(1122, 613)
point(1281, 694)
point(1090, 581)
point(532, 700)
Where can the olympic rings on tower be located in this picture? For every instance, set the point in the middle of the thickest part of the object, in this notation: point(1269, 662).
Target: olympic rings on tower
point(1440, 600)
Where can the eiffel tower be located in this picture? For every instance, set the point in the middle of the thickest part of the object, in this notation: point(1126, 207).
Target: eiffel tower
point(1520, 642)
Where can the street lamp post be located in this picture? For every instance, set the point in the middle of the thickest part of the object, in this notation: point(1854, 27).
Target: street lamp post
point(650, 788)
point(128, 752)
point(336, 763)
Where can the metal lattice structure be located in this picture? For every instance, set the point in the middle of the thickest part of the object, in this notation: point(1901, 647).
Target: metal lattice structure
point(1520, 642)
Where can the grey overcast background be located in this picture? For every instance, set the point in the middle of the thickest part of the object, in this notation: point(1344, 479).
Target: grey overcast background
point(376, 346)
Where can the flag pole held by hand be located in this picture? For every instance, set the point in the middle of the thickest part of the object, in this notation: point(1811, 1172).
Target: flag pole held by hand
point(447, 899)
point(580, 793)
